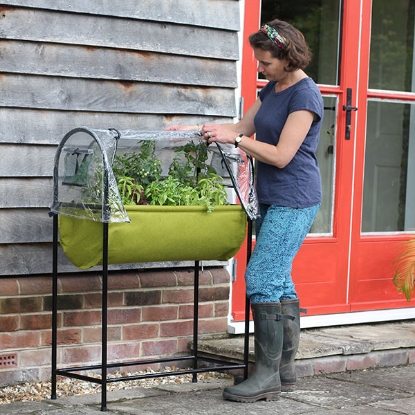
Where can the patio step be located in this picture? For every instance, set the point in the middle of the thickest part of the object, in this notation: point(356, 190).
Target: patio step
point(333, 349)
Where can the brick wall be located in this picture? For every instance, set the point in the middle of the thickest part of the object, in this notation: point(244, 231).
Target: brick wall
point(150, 314)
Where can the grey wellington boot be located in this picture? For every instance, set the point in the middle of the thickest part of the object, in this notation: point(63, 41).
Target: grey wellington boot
point(291, 336)
point(264, 383)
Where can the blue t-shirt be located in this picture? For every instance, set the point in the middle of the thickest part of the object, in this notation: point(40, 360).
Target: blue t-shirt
point(298, 184)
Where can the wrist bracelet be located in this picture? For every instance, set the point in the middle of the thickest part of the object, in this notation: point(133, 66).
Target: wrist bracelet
point(238, 139)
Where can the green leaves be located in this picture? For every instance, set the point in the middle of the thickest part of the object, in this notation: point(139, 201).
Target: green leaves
point(144, 166)
point(404, 277)
point(190, 181)
point(211, 191)
point(171, 192)
point(190, 165)
point(130, 190)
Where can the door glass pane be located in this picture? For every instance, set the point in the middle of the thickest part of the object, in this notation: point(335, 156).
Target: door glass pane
point(319, 21)
point(326, 154)
point(392, 45)
point(389, 191)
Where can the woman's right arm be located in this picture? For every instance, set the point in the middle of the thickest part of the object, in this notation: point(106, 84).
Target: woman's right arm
point(244, 126)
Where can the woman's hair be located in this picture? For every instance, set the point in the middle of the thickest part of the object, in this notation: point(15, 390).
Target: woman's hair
point(284, 42)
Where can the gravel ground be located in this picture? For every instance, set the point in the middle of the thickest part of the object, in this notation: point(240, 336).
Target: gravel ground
point(38, 391)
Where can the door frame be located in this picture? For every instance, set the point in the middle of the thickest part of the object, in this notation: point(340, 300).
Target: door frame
point(356, 16)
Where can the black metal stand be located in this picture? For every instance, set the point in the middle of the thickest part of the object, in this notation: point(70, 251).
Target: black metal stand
point(194, 360)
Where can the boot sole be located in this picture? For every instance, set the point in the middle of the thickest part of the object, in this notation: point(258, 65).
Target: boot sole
point(287, 387)
point(268, 396)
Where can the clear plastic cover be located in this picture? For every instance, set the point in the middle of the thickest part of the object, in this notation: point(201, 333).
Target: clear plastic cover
point(85, 185)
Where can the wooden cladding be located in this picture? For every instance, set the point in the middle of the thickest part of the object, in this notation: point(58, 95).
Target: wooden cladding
point(118, 64)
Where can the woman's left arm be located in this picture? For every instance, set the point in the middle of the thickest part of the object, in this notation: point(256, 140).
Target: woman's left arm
point(292, 136)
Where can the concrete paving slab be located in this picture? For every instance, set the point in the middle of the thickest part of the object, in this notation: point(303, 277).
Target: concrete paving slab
point(400, 406)
point(26, 408)
point(46, 408)
point(394, 378)
point(356, 410)
point(313, 346)
point(201, 385)
point(364, 393)
point(330, 341)
point(94, 399)
point(210, 403)
point(197, 403)
point(331, 393)
point(231, 347)
point(376, 336)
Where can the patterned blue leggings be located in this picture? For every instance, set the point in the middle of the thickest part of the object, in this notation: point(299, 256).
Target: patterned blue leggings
point(280, 232)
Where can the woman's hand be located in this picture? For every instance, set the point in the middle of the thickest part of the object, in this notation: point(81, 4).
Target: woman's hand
point(218, 132)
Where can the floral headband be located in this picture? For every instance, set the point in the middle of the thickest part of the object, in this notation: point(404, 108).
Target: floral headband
point(274, 36)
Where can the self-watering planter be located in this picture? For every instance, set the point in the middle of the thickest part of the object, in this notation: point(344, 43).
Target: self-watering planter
point(156, 234)
point(97, 225)
point(86, 196)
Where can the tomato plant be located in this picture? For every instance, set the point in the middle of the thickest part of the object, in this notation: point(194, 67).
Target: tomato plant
point(191, 181)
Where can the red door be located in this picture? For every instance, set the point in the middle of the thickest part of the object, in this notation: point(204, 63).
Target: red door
point(346, 261)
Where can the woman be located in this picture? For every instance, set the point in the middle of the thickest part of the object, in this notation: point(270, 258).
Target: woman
point(286, 119)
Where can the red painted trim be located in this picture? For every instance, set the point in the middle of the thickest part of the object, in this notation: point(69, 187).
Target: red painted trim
point(330, 90)
point(251, 24)
point(320, 240)
point(391, 95)
point(385, 237)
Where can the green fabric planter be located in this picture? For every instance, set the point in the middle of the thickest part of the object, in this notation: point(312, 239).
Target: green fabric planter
point(156, 234)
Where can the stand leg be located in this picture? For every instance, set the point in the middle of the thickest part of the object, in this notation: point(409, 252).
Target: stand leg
point(246, 337)
point(54, 305)
point(247, 304)
point(104, 352)
point(195, 318)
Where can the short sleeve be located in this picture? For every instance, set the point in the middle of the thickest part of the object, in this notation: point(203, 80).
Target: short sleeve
point(307, 99)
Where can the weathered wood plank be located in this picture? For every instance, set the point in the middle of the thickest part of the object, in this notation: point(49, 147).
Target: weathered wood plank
point(49, 127)
point(25, 226)
point(219, 13)
point(101, 63)
point(112, 96)
point(78, 29)
point(175, 62)
point(32, 259)
point(22, 193)
point(18, 160)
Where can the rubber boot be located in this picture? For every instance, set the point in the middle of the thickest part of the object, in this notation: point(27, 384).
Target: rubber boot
point(264, 383)
point(291, 340)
